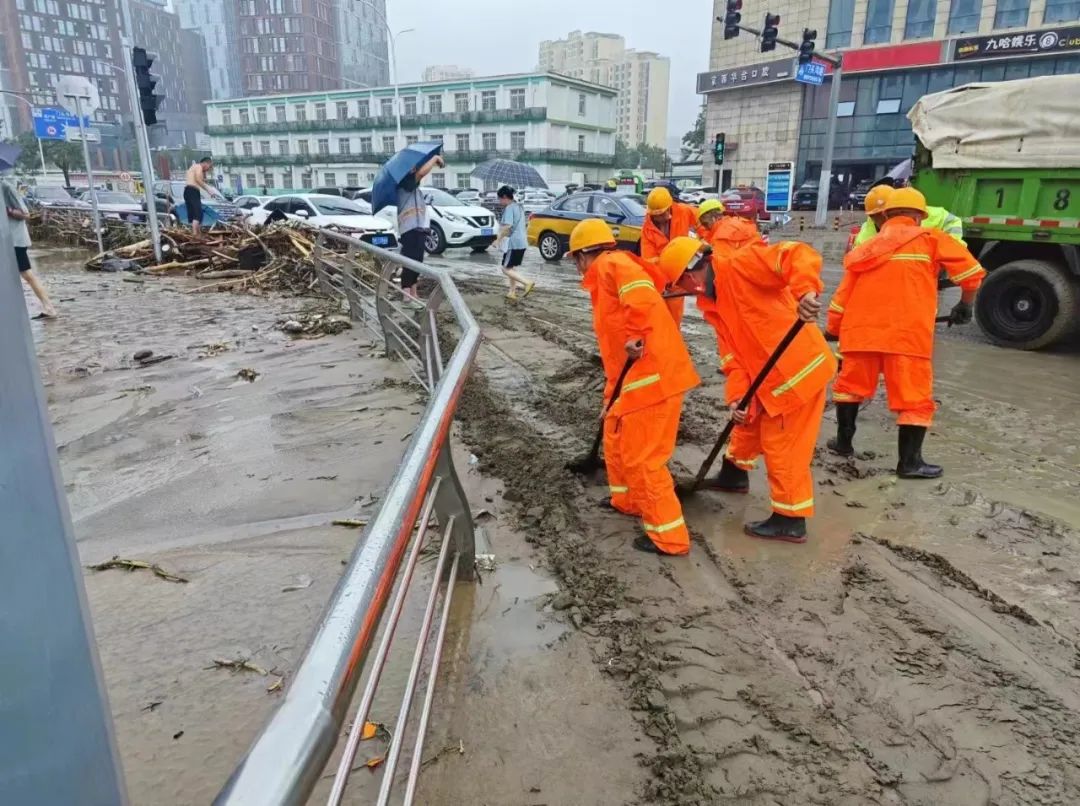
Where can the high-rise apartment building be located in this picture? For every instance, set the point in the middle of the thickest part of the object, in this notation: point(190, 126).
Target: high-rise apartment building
point(446, 72)
point(362, 41)
point(643, 79)
point(217, 22)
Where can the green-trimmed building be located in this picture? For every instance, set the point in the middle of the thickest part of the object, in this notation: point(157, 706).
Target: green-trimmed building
point(564, 127)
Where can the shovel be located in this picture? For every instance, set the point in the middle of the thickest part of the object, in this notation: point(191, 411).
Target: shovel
point(590, 463)
point(744, 404)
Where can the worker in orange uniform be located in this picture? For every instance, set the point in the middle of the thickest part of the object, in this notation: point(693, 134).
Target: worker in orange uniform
point(723, 232)
point(632, 321)
point(666, 219)
point(752, 298)
point(883, 313)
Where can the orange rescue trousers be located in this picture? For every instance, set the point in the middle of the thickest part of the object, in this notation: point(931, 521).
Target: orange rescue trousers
point(637, 448)
point(909, 384)
point(787, 442)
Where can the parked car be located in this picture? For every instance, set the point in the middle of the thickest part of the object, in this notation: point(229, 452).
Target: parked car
point(53, 196)
point(470, 197)
point(459, 191)
point(455, 224)
point(214, 209)
point(549, 230)
point(329, 191)
point(251, 202)
point(327, 212)
point(857, 197)
point(806, 196)
point(535, 202)
point(696, 195)
point(116, 204)
point(748, 202)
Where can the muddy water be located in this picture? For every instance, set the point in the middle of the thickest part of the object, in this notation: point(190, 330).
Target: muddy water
point(922, 648)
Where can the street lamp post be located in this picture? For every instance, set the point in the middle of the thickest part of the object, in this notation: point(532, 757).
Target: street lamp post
point(41, 151)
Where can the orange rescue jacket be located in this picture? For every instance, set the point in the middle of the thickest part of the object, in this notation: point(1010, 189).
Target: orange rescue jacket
point(627, 305)
point(756, 292)
point(653, 241)
point(731, 233)
point(887, 300)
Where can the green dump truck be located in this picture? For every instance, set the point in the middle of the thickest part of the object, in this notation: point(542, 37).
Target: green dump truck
point(1005, 158)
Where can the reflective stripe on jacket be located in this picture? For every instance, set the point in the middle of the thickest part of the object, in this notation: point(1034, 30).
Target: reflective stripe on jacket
point(936, 218)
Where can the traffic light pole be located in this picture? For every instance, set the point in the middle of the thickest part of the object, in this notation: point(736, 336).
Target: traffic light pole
point(142, 137)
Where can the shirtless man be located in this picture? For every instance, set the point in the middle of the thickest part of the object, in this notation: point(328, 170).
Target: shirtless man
point(195, 184)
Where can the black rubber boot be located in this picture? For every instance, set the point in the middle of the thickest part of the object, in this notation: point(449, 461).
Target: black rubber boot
point(730, 479)
point(778, 527)
point(911, 465)
point(643, 543)
point(846, 414)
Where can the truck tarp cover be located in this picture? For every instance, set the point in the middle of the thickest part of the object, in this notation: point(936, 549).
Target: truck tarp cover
point(1028, 123)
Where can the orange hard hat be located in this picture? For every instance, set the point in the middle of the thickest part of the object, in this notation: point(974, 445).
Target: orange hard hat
point(659, 201)
point(906, 199)
point(590, 234)
point(681, 255)
point(876, 198)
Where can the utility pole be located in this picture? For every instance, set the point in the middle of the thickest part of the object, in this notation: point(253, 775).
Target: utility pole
point(89, 169)
point(825, 184)
point(142, 137)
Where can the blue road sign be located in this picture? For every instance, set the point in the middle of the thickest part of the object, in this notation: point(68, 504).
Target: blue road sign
point(811, 73)
point(778, 186)
point(52, 124)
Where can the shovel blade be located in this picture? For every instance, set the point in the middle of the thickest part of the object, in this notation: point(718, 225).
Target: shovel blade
point(585, 466)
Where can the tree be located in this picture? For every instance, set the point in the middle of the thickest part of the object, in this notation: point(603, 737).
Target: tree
point(693, 142)
point(59, 153)
point(641, 156)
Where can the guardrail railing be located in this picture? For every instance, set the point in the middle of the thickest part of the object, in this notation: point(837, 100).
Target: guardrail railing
point(285, 761)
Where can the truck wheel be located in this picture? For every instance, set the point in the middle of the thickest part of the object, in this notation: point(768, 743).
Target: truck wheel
point(1027, 305)
point(551, 247)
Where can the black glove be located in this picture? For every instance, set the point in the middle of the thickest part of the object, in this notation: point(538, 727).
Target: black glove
point(960, 313)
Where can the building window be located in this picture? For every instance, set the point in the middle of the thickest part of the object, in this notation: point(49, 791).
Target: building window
point(245, 117)
point(464, 181)
point(230, 148)
point(438, 138)
point(342, 110)
point(1061, 11)
point(301, 111)
point(286, 178)
point(888, 106)
point(264, 148)
point(845, 109)
point(438, 180)
point(226, 117)
point(260, 114)
point(279, 114)
point(365, 145)
point(305, 180)
point(330, 179)
point(461, 102)
point(324, 146)
point(434, 104)
point(517, 99)
point(410, 104)
point(488, 141)
point(878, 22)
point(1011, 13)
point(352, 180)
point(247, 149)
point(517, 141)
point(343, 145)
point(386, 107)
point(581, 104)
point(920, 18)
point(388, 145)
point(249, 180)
point(487, 100)
point(268, 181)
point(283, 146)
point(303, 147)
point(964, 16)
point(581, 143)
point(412, 139)
point(363, 109)
point(462, 142)
point(320, 111)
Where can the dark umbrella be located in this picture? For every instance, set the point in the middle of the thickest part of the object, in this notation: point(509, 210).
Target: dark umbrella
point(8, 154)
point(384, 191)
point(508, 172)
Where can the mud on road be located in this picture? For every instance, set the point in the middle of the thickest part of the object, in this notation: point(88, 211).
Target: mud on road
point(920, 649)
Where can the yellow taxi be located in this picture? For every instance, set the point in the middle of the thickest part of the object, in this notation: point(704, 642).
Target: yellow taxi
point(549, 229)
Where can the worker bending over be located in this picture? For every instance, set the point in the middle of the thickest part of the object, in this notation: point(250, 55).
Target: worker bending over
point(753, 296)
point(723, 232)
point(883, 313)
point(632, 322)
point(665, 220)
point(936, 217)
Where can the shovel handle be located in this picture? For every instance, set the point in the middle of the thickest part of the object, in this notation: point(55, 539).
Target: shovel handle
point(618, 384)
point(744, 404)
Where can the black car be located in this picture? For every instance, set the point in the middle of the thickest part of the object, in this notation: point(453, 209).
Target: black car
point(857, 198)
point(806, 196)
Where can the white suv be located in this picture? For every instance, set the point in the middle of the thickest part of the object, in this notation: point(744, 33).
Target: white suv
point(330, 212)
point(454, 224)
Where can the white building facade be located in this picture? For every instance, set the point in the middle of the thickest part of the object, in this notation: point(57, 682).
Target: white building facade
point(563, 127)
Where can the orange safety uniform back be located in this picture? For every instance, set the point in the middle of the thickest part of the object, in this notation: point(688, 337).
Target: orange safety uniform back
point(731, 233)
point(887, 301)
point(627, 305)
point(757, 289)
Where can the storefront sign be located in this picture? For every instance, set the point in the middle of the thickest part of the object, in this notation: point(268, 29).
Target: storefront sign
point(1055, 40)
point(778, 186)
point(751, 75)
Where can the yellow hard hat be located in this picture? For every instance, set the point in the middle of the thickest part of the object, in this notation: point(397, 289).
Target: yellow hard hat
point(709, 206)
point(906, 199)
point(876, 198)
point(659, 200)
point(589, 234)
point(680, 256)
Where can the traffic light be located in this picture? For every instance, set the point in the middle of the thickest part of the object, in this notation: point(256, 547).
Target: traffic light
point(732, 19)
point(718, 148)
point(806, 49)
point(769, 32)
point(145, 81)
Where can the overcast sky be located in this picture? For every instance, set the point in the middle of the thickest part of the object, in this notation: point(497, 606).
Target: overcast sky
point(501, 36)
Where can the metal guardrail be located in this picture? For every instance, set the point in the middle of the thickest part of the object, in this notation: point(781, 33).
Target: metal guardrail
point(287, 758)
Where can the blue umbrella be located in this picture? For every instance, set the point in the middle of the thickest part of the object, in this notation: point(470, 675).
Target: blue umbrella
point(508, 172)
point(9, 153)
point(384, 191)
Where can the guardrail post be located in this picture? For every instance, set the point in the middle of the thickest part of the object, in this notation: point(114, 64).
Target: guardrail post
point(325, 285)
point(451, 502)
point(429, 336)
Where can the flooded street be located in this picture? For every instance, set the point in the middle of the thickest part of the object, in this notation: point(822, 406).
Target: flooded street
point(922, 648)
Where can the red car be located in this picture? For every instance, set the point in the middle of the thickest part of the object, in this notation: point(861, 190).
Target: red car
point(748, 202)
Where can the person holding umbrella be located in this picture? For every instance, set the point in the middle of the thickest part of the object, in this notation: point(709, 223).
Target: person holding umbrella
point(17, 215)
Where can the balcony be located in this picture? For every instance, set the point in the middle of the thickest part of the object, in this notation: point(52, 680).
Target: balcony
point(552, 155)
point(529, 114)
